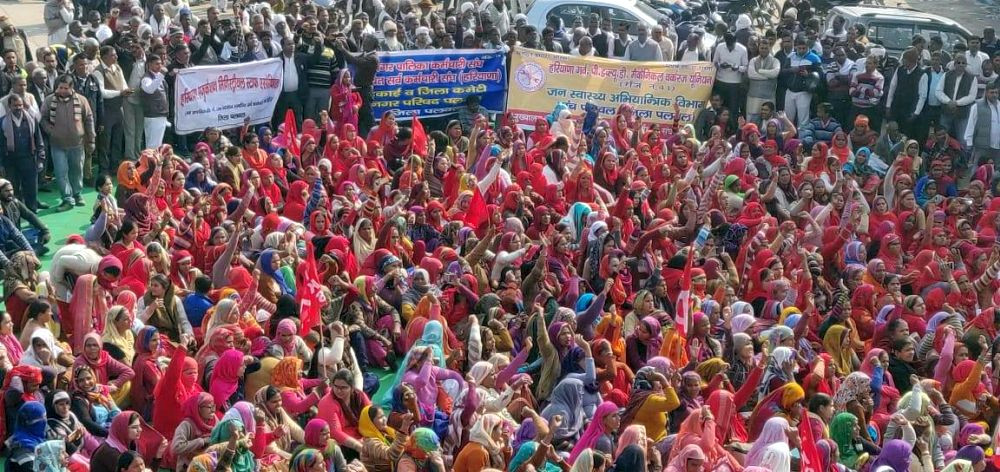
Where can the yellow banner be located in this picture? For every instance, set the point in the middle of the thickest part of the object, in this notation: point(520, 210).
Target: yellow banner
point(539, 80)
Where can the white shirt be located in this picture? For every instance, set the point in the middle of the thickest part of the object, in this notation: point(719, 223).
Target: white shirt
point(970, 130)
point(959, 101)
point(736, 58)
point(975, 66)
point(291, 83)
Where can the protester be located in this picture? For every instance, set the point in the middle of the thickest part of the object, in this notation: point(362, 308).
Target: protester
point(802, 284)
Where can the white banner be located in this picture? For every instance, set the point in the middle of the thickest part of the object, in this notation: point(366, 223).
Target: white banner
point(224, 96)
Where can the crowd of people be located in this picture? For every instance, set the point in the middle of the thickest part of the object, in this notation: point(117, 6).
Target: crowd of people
point(804, 278)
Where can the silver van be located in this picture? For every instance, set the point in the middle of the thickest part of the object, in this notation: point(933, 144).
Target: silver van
point(894, 28)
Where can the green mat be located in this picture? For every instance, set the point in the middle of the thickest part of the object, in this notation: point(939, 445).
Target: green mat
point(63, 224)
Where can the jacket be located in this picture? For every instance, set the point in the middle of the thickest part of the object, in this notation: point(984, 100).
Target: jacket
point(815, 130)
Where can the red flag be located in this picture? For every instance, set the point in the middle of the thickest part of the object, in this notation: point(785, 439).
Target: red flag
point(683, 308)
point(810, 455)
point(419, 138)
point(291, 133)
point(310, 293)
point(478, 213)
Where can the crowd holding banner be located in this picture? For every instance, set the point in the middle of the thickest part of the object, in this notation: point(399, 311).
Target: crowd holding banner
point(540, 80)
point(226, 96)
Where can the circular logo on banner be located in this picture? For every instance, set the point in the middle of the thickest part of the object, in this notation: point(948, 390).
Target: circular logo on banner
point(530, 76)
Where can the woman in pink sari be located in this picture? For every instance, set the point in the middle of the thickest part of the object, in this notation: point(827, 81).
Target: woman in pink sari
point(345, 103)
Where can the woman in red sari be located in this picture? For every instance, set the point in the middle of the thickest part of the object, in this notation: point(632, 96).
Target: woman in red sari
point(615, 377)
point(345, 101)
point(91, 299)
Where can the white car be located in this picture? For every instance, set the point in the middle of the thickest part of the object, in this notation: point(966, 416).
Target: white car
point(630, 12)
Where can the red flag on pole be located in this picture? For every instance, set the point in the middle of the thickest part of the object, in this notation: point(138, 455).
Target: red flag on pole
point(310, 293)
point(419, 138)
point(683, 308)
point(810, 455)
point(291, 133)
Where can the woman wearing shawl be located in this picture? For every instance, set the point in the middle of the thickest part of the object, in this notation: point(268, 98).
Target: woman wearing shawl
point(652, 399)
point(341, 409)
point(614, 376)
point(12, 346)
point(192, 436)
point(422, 452)
point(178, 383)
point(781, 368)
point(643, 344)
point(633, 457)
point(20, 385)
point(124, 436)
point(968, 392)
point(600, 432)
point(147, 370)
point(272, 282)
point(700, 429)
point(112, 374)
point(91, 402)
point(28, 433)
point(566, 401)
point(286, 376)
point(837, 343)
point(90, 301)
point(63, 424)
point(163, 310)
point(277, 423)
point(846, 432)
point(21, 285)
point(784, 403)
point(317, 436)
point(530, 453)
point(486, 447)
point(229, 450)
point(129, 180)
point(289, 343)
point(52, 456)
point(197, 178)
point(227, 378)
point(45, 352)
point(345, 101)
point(690, 457)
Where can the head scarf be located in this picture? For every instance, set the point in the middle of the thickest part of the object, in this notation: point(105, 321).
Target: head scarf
point(226, 377)
point(48, 456)
point(243, 460)
point(853, 386)
point(192, 412)
point(594, 431)
point(842, 432)
point(367, 428)
point(774, 431)
point(679, 462)
point(29, 425)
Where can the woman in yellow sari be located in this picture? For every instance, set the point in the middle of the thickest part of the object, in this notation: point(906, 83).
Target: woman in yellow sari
point(837, 343)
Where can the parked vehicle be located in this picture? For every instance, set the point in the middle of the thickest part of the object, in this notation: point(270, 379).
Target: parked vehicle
point(894, 28)
point(630, 12)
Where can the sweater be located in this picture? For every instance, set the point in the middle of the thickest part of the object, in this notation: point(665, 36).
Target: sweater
point(653, 413)
point(816, 130)
point(64, 128)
